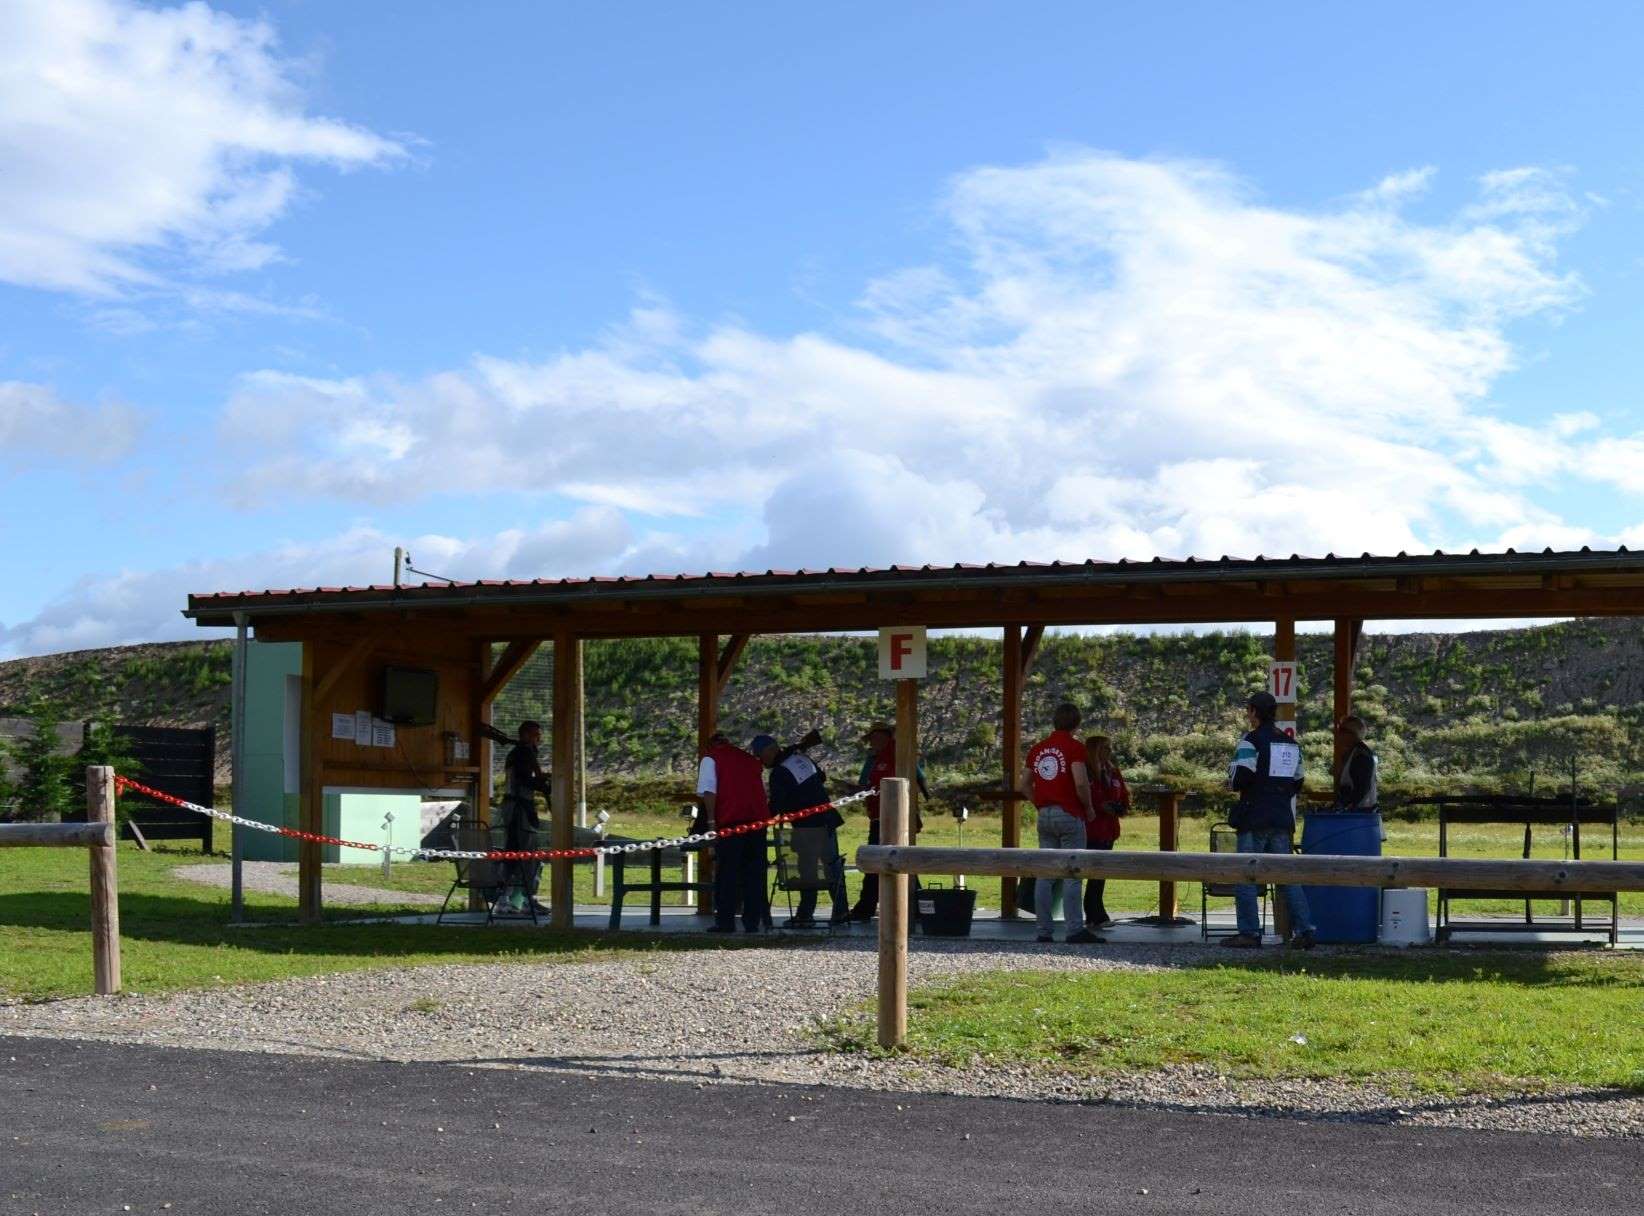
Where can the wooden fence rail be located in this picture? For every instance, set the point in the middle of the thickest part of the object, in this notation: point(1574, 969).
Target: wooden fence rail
point(895, 860)
point(97, 836)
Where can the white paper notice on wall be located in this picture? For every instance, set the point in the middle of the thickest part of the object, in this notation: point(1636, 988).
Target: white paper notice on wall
point(1283, 760)
point(1281, 681)
point(382, 733)
point(362, 727)
point(342, 727)
point(459, 749)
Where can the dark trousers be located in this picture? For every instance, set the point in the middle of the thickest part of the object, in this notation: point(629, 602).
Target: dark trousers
point(867, 903)
point(817, 848)
point(739, 881)
point(1095, 911)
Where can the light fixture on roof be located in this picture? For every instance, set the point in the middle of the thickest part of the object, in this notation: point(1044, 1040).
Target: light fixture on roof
point(402, 561)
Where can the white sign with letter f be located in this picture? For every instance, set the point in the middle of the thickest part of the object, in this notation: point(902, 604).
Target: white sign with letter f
point(902, 652)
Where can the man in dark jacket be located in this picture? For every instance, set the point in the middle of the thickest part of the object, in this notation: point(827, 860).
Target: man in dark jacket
point(1267, 775)
point(797, 784)
point(524, 781)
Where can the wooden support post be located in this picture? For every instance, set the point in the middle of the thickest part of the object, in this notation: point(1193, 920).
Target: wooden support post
point(895, 819)
point(907, 748)
point(311, 804)
point(479, 749)
point(1010, 755)
point(105, 884)
point(579, 743)
point(562, 895)
point(1284, 648)
point(707, 722)
point(1347, 637)
point(1170, 804)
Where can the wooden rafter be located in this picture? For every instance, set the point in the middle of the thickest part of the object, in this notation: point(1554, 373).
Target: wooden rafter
point(344, 664)
point(734, 646)
point(506, 667)
point(1031, 637)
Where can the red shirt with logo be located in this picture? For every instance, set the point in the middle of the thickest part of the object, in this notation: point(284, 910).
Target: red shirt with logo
point(1050, 762)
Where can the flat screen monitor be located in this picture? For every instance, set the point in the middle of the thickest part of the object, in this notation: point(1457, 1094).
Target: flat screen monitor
point(410, 696)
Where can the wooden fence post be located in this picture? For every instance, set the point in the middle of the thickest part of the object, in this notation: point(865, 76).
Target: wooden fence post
point(105, 886)
point(1169, 809)
point(893, 917)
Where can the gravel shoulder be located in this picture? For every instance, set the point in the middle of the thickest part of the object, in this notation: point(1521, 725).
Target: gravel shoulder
point(735, 1016)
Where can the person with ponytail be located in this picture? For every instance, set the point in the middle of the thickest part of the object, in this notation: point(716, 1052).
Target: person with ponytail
point(1109, 802)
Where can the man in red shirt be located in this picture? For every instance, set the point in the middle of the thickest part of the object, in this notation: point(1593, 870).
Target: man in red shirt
point(730, 786)
point(1060, 788)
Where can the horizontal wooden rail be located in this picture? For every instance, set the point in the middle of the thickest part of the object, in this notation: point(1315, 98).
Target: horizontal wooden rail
point(56, 835)
point(96, 835)
point(1462, 874)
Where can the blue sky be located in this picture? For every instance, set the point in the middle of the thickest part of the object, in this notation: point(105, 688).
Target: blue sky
point(544, 289)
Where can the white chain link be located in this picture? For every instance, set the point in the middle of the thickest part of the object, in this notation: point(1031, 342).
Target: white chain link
point(609, 850)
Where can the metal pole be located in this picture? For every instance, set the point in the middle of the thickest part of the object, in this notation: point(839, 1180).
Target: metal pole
point(236, 752)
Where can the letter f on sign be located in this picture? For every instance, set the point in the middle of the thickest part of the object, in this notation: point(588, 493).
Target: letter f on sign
point(900, 648)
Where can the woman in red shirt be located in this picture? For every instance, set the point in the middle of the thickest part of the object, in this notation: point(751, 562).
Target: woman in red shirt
point(1110, 797)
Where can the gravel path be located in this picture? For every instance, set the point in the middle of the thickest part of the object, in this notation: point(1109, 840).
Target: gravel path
point(740, 1016)
point(280, 878)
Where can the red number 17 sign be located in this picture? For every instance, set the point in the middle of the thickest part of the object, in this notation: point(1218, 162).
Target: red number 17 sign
point(1281, 681)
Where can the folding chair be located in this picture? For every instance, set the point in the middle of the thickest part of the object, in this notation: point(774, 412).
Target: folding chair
point(803, 864)
point(1224, 838)
point(473, 874)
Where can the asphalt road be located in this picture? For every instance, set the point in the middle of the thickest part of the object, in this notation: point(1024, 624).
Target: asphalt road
point(92, 1127)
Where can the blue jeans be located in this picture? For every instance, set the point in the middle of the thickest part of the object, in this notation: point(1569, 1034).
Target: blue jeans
point(1059, 830)
point(1246, 896)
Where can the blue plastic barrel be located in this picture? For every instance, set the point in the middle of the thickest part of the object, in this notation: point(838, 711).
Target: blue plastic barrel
point(1344, 914)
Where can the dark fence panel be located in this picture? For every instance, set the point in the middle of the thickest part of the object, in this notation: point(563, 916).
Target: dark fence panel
point(180, 761)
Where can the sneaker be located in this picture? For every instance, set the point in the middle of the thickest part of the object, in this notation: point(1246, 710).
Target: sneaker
point(540, 908)
point(1084, 937)
point(1242, 941)
point(1102, 921)
point(1303, 941)
point(502, 907)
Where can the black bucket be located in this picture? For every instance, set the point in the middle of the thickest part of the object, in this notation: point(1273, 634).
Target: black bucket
point(944, 911)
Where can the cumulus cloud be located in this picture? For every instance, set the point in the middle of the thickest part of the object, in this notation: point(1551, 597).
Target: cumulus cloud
point(143, 143)
point(36, 424)
point(1124, 358)
point(145, 605)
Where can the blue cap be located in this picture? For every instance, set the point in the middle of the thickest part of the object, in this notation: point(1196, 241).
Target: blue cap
point(760, 743)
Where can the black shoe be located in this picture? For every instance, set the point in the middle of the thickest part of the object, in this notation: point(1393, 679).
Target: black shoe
point(1045, 937)
point(1303, 941)
point(861, 915)
point(1242, 941)
point(720, 929)
point(1084, 937)
point(799, 922)
point(1100, 921)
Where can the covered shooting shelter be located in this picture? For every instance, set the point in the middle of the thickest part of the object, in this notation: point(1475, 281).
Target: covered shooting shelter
point(476, 636)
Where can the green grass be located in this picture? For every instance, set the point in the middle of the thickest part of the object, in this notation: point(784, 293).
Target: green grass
point(175, 934)
point(1424, 1022)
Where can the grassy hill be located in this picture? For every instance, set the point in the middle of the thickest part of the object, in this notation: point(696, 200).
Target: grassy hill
point(1484, 709)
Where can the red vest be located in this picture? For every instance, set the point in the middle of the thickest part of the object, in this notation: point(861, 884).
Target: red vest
point(741, 794)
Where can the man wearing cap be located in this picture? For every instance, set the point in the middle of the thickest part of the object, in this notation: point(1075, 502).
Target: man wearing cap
point(1266, 772)
point(880, 763)
point(730, 788)
point(797, 784)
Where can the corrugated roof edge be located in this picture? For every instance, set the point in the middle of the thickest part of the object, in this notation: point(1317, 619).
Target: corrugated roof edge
point(1155, 569)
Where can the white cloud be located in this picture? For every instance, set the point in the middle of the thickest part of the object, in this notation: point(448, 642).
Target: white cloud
point(36, 424)
point(145, 605)
point(1125, 358)
point(140, 143)
point(1128, 357)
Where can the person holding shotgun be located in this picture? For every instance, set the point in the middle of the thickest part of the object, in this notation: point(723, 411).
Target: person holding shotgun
point(730, 789)
point(523, 781)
